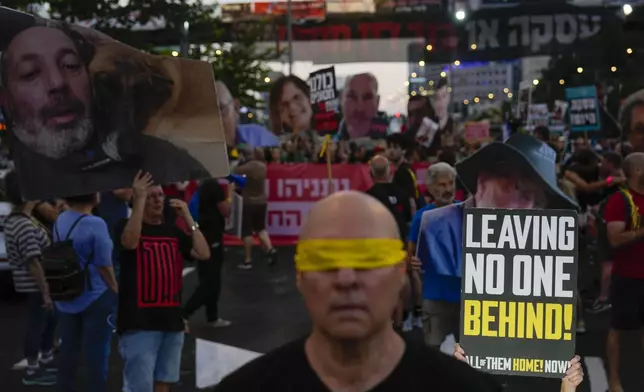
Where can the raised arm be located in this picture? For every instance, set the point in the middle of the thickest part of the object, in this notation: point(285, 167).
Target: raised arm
point(132, 231)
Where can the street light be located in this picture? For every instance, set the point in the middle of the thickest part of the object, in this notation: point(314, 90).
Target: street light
point(460, 15)
point(490, 96)
point(627, 9)
point(267, 79)
point(421, 63)
point(535, 82)
point(476, 99)
point(175, 53)
point(473, 46)
point(429, 48)
point(466, 102)
point(613, 69)
point(562, 82)
point(580, 70)
point(443, 74)
point(457, 63)
point(629, 51)
point(414, 74)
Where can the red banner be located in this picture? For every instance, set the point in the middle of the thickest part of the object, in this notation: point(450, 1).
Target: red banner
point(292, 190)
point(300, 9)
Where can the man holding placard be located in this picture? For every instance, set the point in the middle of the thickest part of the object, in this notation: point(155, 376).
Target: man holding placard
point(536, 248)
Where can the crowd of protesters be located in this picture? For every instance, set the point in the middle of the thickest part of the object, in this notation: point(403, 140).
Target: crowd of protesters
point(161, 230)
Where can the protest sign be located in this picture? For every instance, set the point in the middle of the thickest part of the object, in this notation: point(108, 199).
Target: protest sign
point(324, 100)
point(519, 295)
point(524, 100)
point(115, 111)
point(476, 131)
point(558, 116)
point(583, 109)
point(538, 115)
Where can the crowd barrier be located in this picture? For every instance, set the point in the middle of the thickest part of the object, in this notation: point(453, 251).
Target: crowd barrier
point(292, 190)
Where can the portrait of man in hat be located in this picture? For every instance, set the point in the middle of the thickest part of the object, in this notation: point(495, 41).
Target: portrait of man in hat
point(517, 173)
point(76, 120)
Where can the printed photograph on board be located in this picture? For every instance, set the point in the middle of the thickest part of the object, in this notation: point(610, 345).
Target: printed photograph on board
point(85, 112)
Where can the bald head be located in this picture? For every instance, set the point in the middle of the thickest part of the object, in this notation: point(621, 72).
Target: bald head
point(349, 214)
point(633, 164)
point(380, 167)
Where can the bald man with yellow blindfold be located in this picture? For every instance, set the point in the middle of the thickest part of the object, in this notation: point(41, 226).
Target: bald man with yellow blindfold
point(350, 271)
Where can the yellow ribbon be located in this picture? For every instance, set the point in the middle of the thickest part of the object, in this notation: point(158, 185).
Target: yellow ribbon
point(635, 211)
point(327, 140)
point(360, 253)
point(413, 177)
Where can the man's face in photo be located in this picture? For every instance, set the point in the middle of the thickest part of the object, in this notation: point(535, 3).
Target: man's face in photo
point(504, 186)
point(360, 102)
point(48, 92)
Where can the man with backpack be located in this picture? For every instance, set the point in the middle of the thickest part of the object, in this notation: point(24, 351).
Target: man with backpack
point(26, 239)
point(623, 217)
point(86, 299)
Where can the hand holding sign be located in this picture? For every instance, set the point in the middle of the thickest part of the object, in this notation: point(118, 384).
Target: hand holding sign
point(574, 375)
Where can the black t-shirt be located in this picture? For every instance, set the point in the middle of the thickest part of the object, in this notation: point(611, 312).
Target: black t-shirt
point(151, 279)
point(405, 179)
point(396, 201)
point(589, 175)
point(421, 369)
point(211, 221)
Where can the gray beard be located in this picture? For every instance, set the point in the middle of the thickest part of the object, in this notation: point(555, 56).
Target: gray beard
point(54, 144)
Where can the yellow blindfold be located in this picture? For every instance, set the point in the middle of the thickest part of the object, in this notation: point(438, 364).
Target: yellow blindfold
point(330, 254)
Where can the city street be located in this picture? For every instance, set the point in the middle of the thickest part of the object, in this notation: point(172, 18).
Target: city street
point(266, 311)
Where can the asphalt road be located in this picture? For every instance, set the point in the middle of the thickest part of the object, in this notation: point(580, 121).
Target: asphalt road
point(266, 312)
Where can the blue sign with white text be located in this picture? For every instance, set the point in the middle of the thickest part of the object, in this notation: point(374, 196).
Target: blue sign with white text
point(583, 109)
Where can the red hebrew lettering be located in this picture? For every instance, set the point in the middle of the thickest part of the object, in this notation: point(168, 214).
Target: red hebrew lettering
point(292, 218)
point(418, 29)
point(339, 32)
point(444, 34)
point(379, 30)
point(274, 216)
point(159, 280)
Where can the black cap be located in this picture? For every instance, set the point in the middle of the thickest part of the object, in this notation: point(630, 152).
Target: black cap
point(13, 22)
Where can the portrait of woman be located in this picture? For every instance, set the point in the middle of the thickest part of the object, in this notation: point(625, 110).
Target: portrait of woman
point(290, 106)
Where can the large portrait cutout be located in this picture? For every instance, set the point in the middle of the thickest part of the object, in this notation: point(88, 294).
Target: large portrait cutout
point(85, 112)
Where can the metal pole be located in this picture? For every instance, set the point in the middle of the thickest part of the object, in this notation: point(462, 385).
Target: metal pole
point(184, 50)
point(185, 47)
point(289, 34)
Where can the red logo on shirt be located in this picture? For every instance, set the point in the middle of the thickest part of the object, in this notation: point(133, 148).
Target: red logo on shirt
point(159, 272)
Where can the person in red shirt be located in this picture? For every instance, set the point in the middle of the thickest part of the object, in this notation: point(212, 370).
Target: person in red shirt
point(626, 236)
